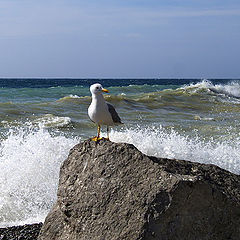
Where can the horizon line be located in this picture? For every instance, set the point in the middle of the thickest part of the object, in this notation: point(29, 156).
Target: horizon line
point(113, 78)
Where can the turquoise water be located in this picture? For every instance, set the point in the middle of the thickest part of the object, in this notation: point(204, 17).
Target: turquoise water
point(41, 119)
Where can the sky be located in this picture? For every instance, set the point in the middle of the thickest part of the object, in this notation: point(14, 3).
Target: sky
point(120, 39)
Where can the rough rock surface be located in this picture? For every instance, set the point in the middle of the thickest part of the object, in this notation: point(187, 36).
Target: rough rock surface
point(25, 232)
point(113, 191)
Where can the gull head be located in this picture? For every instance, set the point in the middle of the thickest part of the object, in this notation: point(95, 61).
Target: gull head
point(97, 89)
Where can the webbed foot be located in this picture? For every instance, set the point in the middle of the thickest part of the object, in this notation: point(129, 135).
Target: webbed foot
point(96, 139)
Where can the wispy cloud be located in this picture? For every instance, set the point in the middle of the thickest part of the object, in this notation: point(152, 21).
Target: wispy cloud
point(128, 36)
point(32, 18)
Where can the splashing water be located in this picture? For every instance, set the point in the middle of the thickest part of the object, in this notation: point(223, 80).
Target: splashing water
point(30, 157)
point(231, 89)
point(49, 120)
point(157, 141)
point(30, 160)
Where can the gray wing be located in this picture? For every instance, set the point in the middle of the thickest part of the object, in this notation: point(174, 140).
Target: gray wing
point(116, 119)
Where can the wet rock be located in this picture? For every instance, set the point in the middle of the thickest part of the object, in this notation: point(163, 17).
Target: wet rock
point(25, 232)
point(113, 191)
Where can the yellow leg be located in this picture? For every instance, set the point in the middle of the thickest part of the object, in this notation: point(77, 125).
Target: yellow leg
point(95, 139)
point(98, 132)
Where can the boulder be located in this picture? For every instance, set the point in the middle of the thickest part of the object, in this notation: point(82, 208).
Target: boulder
point(113, 191)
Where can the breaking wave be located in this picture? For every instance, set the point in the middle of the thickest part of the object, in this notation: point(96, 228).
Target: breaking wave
point(230, 89)
point(49, 120)
point(159, 142)
point(29, 161)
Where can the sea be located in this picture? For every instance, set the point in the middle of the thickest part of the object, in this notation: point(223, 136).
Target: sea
point(42, 119)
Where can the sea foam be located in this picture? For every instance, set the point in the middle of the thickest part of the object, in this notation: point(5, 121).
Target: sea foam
point(50, 120)
point(159, 142)
point(230, 89)
point(30, 160)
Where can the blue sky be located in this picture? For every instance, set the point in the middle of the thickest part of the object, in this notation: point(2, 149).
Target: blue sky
point(120, 39)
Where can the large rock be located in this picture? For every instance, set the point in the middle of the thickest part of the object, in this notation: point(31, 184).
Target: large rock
point(113, 191)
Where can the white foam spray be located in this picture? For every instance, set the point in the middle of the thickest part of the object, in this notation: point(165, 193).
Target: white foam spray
point(230, 89)
point(29, 161)
point(50, 120)
point(159, 142)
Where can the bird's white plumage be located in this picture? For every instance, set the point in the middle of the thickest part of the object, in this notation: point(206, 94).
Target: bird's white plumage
point(98, 110)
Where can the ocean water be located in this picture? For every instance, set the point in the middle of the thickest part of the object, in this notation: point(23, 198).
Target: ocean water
point(42, 119)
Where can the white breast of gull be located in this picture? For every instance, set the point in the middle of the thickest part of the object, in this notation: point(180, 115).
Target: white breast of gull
point(101, 112)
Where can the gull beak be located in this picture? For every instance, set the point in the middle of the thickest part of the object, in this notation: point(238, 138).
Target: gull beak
point(104, 90)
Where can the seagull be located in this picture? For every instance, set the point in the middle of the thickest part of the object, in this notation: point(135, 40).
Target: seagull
point(101, 112)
